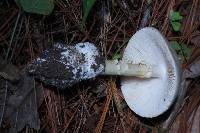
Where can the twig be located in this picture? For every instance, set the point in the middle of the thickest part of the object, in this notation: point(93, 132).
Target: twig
point(146, 15)
point(15, 45)
point(81, 120)
point(99, 127)
point(69, 121)
point(138, 21)
point(118, 104)
point(12, 36)
point(165, 25)
point(114, 39)
point(84, 105)
point(8, 20)
point(16, 119)
point(4, 104)
point(87, 33)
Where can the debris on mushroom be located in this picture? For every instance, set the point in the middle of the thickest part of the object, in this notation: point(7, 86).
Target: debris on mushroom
point(63, 66)
point(153, 96)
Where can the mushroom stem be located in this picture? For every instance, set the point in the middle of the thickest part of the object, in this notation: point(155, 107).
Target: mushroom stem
point(115, 67)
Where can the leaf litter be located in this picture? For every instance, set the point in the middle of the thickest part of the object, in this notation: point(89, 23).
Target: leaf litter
point(21, 104)
point(71, 109)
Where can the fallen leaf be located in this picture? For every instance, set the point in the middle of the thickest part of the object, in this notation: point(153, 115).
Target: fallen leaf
point(8, 71)
point(196, 122)
point(44, 7)
point(193, 70)
point(22, 101)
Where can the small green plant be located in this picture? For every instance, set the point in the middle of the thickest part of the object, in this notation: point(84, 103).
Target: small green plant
point(87, 6)
point(44, 7)
point(175, 18)
point(182, 50)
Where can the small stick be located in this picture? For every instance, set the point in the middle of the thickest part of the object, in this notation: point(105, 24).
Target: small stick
point(4, 103)
point(13, 33)
point(99, 127)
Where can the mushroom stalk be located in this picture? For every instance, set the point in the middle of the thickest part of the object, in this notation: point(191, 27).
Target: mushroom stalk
point(115, 67)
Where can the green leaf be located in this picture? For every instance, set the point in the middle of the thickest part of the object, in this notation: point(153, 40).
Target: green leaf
point(175, 45)
point(182, 50)
point(87, 6)
point(176, 26)
point(44, 7)
point(175, 16)
point(186, 51)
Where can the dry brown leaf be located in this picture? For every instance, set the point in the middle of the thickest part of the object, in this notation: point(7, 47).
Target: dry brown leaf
point(194, 70)
point(21, 105)
point(8, 71)
point(196, 122)
point(99, 127)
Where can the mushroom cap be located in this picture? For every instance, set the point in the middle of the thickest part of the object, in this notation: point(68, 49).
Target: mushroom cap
point(153, 96)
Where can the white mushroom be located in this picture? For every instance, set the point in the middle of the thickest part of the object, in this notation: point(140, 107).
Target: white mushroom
point(146, 56)
point(153, 96)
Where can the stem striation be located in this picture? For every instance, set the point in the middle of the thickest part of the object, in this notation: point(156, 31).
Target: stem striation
point(115, 67)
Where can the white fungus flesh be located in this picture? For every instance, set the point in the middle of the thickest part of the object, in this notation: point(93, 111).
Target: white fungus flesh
point(125, 68)
point(151, 97)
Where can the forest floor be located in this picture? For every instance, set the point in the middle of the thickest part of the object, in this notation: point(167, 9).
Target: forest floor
point(96, 105)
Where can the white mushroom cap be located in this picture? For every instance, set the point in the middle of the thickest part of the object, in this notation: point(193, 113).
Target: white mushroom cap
point(152, 96)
